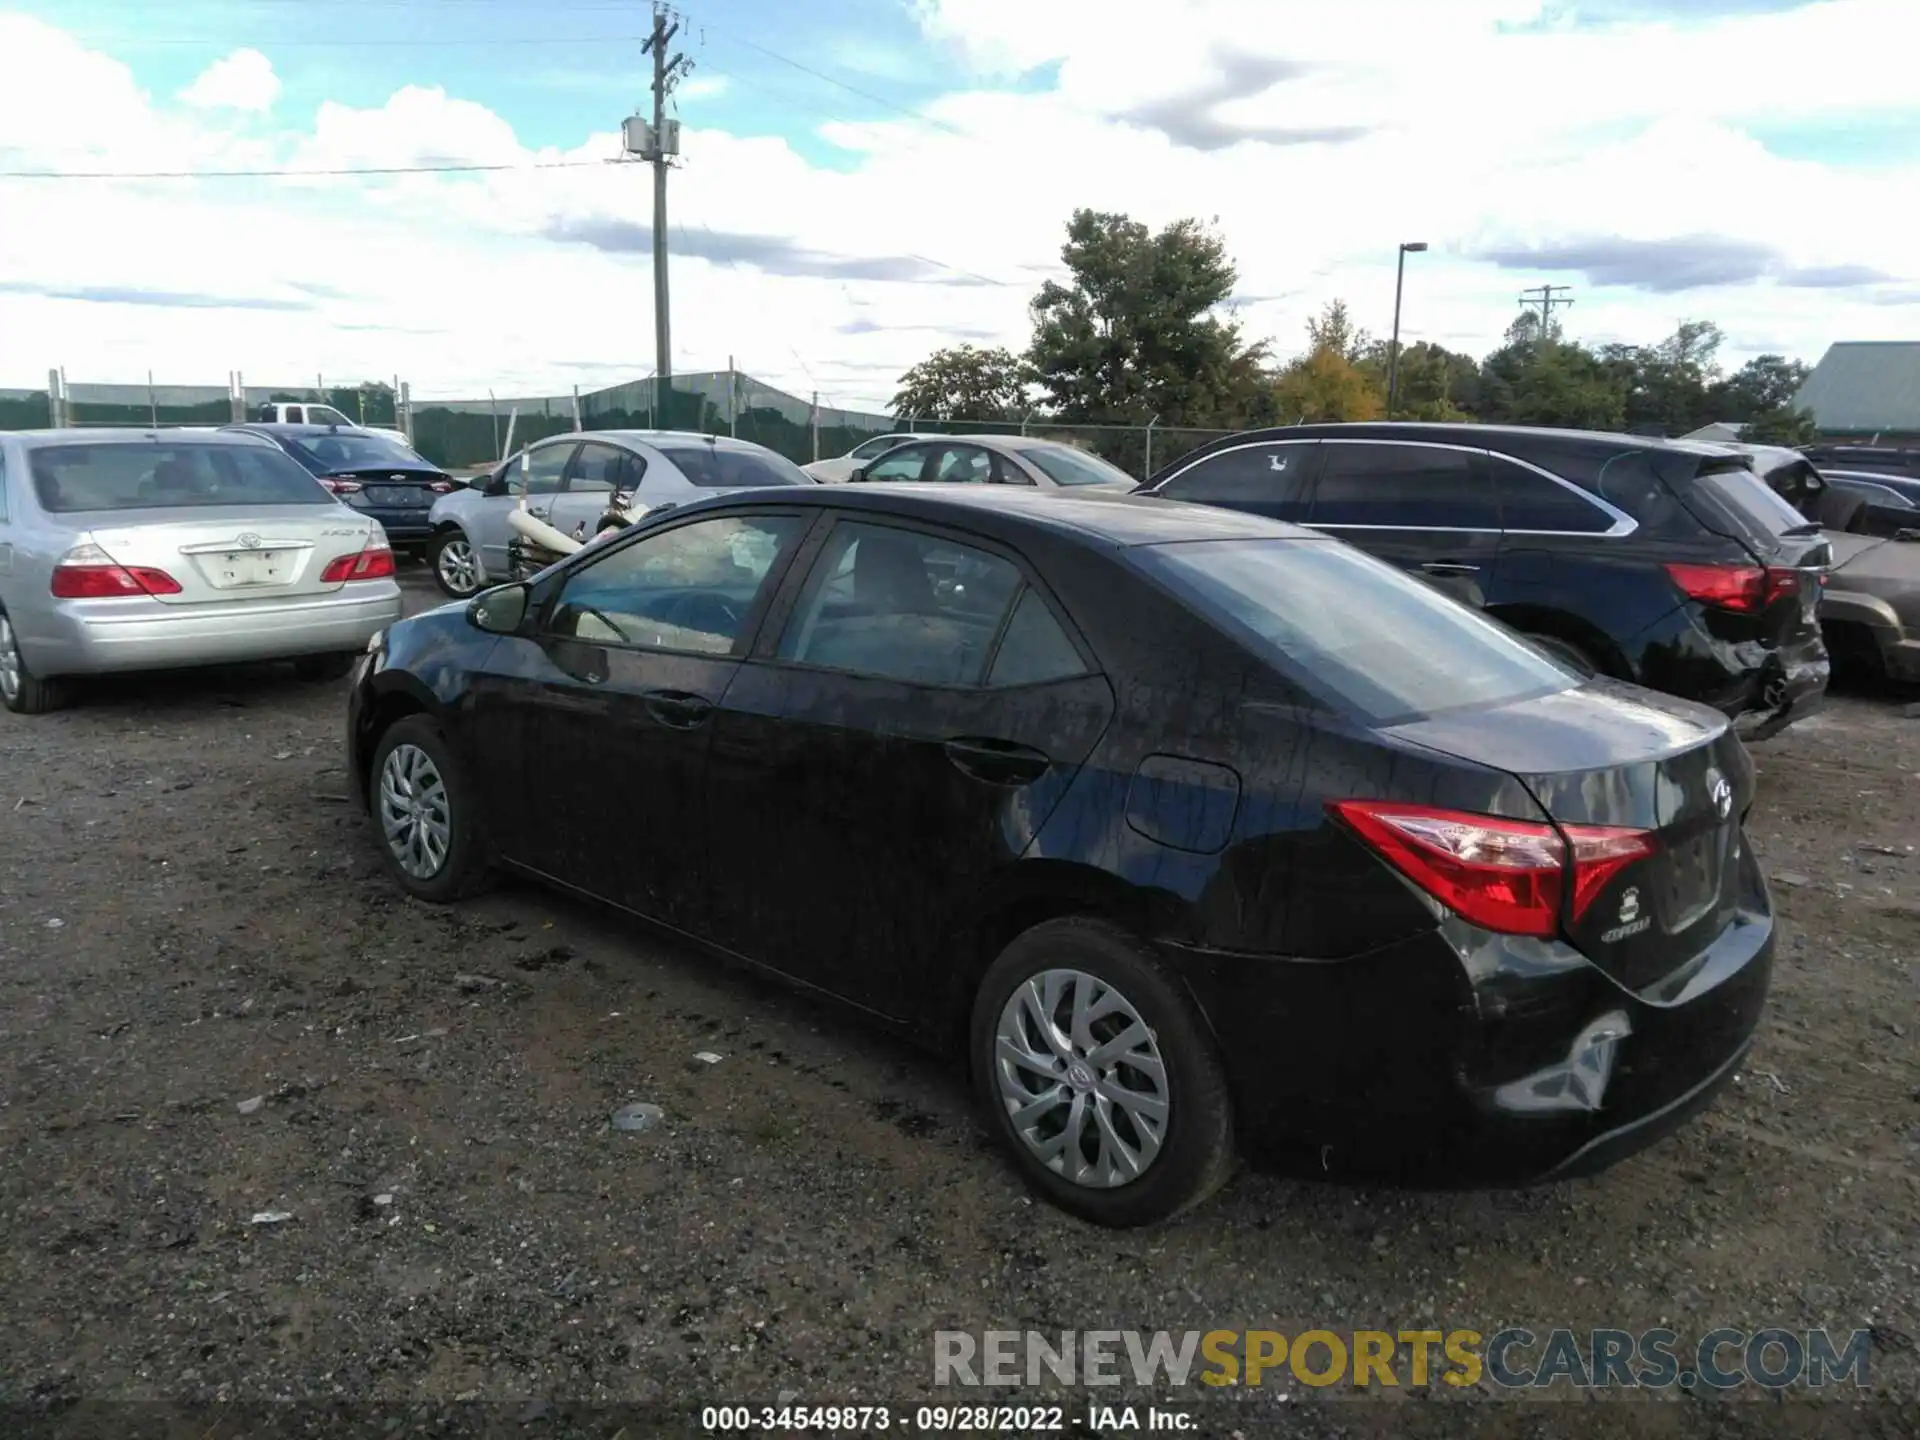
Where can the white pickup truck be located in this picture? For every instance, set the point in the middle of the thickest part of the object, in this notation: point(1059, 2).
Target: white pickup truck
point(295, 412)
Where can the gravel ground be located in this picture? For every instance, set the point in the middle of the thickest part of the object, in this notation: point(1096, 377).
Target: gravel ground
point(213, 1005)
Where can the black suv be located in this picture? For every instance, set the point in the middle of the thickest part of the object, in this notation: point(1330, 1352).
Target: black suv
point(1662, 562)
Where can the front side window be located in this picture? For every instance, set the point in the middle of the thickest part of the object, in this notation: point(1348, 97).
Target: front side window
point(1271, 478)
point(689, 589)
point(900, 605)
point(1403, 487)
point(139, 475)
point(902, 464)
point(1530, 501)
point(540, 471)
point(1364, 636)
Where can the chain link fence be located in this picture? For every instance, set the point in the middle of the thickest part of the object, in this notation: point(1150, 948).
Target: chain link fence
point(466, 434)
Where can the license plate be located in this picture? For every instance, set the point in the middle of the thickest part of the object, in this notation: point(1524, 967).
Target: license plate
point(237, 568)
point(397, 495)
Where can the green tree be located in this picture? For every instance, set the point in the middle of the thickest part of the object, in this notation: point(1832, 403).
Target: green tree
point(1330, 382)
point(1669, 387)
point(963, 383)
point(1136, 333)
point(1763, 384)
point(1536, 379)
point(1435, 384)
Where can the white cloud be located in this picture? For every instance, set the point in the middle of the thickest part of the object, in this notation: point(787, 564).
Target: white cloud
point(1618, 161)
point(243, 80)
point(703, 87)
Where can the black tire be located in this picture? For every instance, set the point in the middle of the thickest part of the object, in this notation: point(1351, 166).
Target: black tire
point(28, 694)
point(1196, 1155)
point(1569, 652)
point(319, 668)
point(435, 549)
point(465, 865)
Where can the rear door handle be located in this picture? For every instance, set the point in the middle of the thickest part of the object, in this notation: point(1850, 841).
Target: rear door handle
point(997, 762)
point(1450, 567)
point(677, 709)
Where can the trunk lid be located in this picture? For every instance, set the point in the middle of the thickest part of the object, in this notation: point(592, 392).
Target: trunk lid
point(386, 485)
point(1617, 757)
point(1730, 500)
point(226, 553)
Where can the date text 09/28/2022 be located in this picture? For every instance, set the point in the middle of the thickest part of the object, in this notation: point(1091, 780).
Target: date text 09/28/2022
point(940, 1419)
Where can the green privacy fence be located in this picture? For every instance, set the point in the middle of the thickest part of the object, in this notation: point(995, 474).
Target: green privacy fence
point(465, 433)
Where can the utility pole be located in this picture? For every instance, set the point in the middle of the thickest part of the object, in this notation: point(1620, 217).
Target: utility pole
point(658, 143)
point(1545, 297)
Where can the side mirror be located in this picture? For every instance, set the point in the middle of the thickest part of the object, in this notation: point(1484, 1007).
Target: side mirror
point(856, 475)
point(501, 610)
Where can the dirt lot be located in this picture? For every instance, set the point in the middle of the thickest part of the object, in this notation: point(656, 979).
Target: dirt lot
point(191, 917)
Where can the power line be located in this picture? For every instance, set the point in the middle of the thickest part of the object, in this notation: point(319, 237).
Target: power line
point(437, 169)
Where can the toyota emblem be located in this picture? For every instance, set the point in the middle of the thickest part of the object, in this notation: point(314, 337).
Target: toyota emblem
point(1722, 794)
point(249, 541)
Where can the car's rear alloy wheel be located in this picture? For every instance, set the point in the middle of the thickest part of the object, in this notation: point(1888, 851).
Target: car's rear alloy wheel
point(20, 690)
point(1099, 1075)
point(456, 569)
point(422, 804)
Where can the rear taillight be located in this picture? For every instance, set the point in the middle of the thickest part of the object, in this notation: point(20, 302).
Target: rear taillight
point(1745, 588)
point(367, 565)
point(1503, 875)
point(88, 573)
point(441, 487)
point(340, 487)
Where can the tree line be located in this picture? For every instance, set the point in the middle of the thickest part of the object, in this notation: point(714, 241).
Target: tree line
point(1143, 331)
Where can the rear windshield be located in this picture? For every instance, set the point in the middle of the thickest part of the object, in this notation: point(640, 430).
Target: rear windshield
point(1743, 494)
point(1066, 466)
point(1365, 637)
point(712, 468)
point(140, 475)
point(332, 453)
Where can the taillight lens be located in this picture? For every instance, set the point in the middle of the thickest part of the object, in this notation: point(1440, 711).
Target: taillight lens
point(367, 565)
point(1781, 583)
point(88, 573)
point(1745, 588)
point(441, 487)
point(340, 487)
point(1503, 875)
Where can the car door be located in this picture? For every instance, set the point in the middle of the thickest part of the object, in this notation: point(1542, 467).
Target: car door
point(905, 726)
point(615, 696)
point(909, 462)
point(1428, 508)
point(538, 475)
point(1270, 477)
point(597, 471)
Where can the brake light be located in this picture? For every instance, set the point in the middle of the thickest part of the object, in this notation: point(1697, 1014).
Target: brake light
point(340, 487)
point(441, 487)
point(1781, 583)
point(1503, 875)
point(367, 565)
point(1745, 588)
point(88, 573)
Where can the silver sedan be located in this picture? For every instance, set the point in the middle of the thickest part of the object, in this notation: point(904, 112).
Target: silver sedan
point(150, 550)
point(571, 481)
point(995, 460)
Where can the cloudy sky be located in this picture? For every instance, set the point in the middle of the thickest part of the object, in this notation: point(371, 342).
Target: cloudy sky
point(865, 180)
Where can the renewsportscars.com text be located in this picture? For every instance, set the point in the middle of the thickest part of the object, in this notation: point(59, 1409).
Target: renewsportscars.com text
point(1512, 1358)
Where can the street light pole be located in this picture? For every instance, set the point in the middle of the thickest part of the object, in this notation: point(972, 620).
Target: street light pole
point(1393, 350)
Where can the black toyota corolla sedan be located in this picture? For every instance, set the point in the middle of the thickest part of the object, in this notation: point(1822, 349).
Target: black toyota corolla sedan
point(372, 473)
point(1196, 831)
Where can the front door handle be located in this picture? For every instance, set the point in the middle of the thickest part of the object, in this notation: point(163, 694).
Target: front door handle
point(1450, 567)
point(997, 762)
point(677, 709)
point(539, 512)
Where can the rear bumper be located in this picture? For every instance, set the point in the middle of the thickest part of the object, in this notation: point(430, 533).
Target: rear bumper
point(110, 636)
point(404, 526)
point(1396, 1067)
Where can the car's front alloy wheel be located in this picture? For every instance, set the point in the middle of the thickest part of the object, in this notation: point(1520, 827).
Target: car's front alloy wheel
point(1099, 1075)
point(422, 805)
point(456, 568)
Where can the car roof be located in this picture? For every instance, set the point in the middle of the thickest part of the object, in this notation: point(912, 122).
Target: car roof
point(130, 435)
point(662, 437)
point(1469, 433)
point(1107, 517)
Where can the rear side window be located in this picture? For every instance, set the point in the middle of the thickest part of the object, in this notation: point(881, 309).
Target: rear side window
point(1403, 487)
point(1530, 501)
point(138, 475)
point(1363, 636)
point(1065, 465)
point(1034, 648)
point(1270, 477)
point(712, 468)
point(1743, 497)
